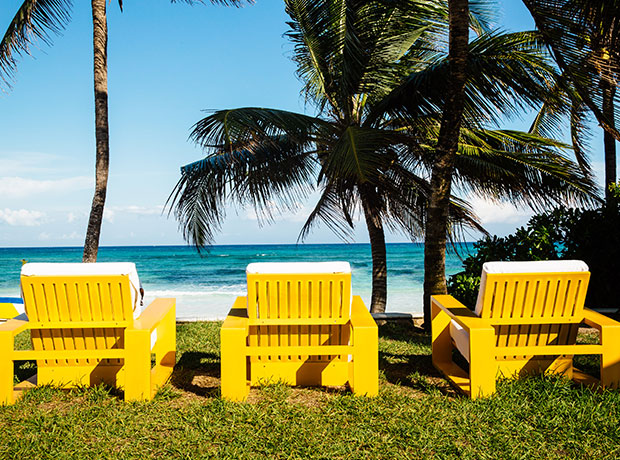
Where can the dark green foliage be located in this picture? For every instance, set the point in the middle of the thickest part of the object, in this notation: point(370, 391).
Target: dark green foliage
point(464, 287)
point(564, 233)
point(593, 236)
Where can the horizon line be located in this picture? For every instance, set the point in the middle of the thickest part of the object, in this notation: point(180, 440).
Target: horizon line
point(217, 245)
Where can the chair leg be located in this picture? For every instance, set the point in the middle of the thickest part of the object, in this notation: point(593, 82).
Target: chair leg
point(365, 380)
point(482, 364)
point(6, 368)
point(137, 365)
point(234, 362)
point(610, 358)
point(165, 350)
point(441, 341)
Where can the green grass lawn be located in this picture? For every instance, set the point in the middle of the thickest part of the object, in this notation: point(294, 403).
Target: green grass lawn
point(416, 415)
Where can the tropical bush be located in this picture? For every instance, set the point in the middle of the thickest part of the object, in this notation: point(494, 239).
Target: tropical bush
point(564, 233)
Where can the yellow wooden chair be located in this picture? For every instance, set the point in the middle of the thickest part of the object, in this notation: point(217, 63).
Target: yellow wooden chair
point(299, 325)
point(87, 327)
point(525, 321)
point(10, 307)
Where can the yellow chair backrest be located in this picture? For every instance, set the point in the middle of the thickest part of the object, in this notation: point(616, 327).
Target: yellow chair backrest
point(533, 292)
point(79, 312)
point(307, 304)
point(298, 293)
point(533, 302)
point(78, 300)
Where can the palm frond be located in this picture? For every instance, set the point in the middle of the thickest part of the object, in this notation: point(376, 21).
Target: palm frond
point(482, 16)
point(34, 20)
point(584, 39)
point(214, 2)
point(580, 135)
point(334, 209)
point(244, 127)
point(506, 74)
point(361, 154)
point(520, 168)
point(272, 177)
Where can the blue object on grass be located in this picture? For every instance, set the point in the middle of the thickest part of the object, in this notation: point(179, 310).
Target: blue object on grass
point(11, 300)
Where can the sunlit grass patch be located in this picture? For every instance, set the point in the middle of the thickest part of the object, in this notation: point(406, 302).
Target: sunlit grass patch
point(416, 415)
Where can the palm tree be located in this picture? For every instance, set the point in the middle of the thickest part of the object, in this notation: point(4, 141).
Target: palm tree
point(37, 19)
point(505, 73)
point(376, 73)
point(447, 145)
point(584, 39)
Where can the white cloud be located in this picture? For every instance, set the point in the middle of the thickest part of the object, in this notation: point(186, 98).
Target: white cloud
point(491, 212)
point(140, 210)
point(71, 236)
point(21, 217)
point(110, 213)
point(19, 187)
point(18, 163)
point(44, 236)
point(71, 217)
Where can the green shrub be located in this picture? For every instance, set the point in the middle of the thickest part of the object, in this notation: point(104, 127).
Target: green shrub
point(563, 233)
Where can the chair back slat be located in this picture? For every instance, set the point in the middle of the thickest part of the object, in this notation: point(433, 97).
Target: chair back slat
point(533, 308)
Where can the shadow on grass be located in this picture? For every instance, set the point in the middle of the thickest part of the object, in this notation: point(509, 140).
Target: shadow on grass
point(24, 370)
point(410, 363)
point(198, 373)
point(404, 331)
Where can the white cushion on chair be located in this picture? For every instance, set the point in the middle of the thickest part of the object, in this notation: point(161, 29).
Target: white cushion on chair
point(90, 269)
point(292, 268)
point(461, 336)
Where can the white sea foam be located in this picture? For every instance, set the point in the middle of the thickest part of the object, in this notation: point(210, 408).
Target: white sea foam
point(202, 293)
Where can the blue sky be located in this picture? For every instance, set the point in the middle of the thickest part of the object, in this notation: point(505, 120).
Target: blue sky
point(167, 63)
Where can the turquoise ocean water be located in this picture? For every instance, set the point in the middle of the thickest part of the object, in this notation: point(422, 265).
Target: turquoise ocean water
point(206, 285)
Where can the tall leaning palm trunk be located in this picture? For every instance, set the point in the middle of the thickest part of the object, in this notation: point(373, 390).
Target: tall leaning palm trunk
point(447, 144)
point(102, 135)
point(609, 142)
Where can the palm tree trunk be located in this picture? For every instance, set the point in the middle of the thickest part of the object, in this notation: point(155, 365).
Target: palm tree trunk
point(100, 48)
point(377, 249)
point(447, 143)
point(609, 91)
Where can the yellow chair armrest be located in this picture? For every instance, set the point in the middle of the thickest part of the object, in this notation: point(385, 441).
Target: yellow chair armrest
point(460, 313)
point(238, 316)
point(154, 314)
point(360, 316)
point(15, 326)
point(597, 320)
